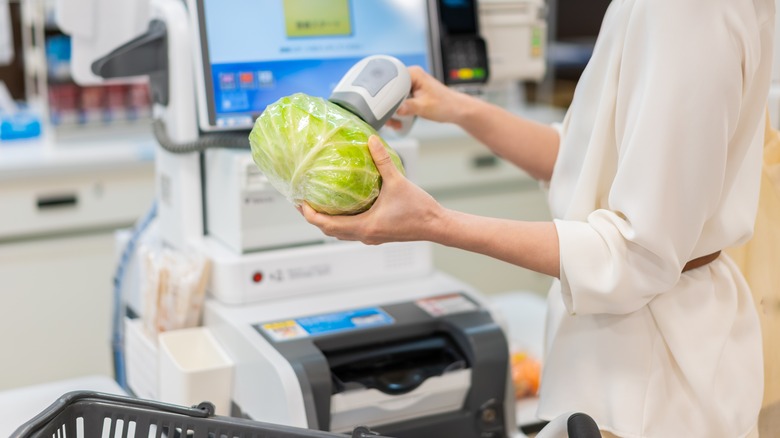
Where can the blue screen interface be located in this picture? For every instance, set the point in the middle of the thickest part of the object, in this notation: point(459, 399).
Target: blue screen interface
point(261, 50)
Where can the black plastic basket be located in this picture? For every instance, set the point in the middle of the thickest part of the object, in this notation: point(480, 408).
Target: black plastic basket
point(89, 414)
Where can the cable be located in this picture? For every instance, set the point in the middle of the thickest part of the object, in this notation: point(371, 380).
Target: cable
point(117, 329)
point(207, 141)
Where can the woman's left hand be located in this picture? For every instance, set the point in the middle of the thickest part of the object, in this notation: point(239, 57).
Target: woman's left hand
point(402, 212)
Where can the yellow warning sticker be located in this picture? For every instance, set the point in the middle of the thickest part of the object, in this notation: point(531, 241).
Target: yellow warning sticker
point(283, 330)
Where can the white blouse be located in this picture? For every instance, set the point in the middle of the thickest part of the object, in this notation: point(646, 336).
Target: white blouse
point(659, 164)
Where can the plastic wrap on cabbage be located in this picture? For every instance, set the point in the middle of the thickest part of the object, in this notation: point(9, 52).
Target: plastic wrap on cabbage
point(313, 150)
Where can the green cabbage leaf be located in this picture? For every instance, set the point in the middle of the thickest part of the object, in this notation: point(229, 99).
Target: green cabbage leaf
point(312, 150)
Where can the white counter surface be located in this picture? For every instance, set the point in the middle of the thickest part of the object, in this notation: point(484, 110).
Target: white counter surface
point(76, 151)
point(17, 406)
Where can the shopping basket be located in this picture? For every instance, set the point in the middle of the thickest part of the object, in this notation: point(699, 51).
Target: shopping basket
point(89, 414)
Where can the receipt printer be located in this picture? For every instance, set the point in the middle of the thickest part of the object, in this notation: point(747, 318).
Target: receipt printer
point(408, 359)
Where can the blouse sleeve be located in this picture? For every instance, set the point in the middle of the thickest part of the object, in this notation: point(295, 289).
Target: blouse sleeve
point(678, 99)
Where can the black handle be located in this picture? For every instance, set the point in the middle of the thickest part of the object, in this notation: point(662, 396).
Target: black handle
point(56, 201)
point(40, 420)
point(146, 54)
point(582, 426)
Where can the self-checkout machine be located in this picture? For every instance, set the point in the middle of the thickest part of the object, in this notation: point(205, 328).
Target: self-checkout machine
point(323, 334)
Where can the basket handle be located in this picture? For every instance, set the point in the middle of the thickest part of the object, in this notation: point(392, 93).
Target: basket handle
point(203, 410)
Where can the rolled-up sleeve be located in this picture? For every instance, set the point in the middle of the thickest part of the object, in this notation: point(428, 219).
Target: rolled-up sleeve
point(679, 90)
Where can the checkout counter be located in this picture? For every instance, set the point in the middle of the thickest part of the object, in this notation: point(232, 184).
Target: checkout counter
point(440, 329)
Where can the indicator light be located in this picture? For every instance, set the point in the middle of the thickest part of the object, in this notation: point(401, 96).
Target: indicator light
point(257, 277)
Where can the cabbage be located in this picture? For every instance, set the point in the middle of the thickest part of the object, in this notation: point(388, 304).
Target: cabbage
point(312, 150)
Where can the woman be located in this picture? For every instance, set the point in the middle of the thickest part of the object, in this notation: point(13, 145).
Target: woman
point(654, 170)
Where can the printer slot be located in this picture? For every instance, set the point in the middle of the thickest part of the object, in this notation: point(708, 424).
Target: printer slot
point(394, 368)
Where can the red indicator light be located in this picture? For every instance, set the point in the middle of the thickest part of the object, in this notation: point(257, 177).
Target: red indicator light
point(257, 277)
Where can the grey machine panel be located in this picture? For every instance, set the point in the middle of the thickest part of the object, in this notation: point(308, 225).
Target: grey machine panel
point(472, 337)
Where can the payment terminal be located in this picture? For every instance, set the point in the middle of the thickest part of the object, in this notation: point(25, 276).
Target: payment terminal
point(463, 51)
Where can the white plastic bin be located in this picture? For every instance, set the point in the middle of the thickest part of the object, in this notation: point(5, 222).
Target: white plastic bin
point(193, 368)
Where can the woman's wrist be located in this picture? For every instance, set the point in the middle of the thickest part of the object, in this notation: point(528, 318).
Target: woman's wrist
point(440, 225)
point(464, 108)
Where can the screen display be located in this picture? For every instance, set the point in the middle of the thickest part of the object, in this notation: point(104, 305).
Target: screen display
point(458, 17)
point(257, 51)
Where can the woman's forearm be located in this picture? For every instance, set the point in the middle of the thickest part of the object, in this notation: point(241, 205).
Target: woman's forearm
point(531, 245)
point(527, 144)
point(405, 212)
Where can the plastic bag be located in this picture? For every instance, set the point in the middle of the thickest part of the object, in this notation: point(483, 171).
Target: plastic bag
point(526, 374)
point(314, 151)
point(522, 315)
point(174, 287)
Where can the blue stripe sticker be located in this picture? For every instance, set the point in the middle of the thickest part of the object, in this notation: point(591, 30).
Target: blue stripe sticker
point(349, 320)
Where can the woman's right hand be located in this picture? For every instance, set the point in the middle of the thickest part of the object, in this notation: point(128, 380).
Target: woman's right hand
point(430, 99)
